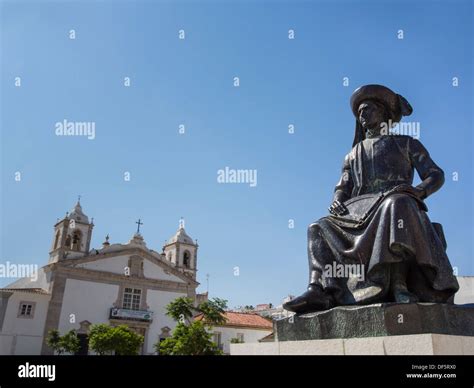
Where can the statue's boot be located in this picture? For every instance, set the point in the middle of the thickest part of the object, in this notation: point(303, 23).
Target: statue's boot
point(398, 276)
point(315, 299)
point(402, 295)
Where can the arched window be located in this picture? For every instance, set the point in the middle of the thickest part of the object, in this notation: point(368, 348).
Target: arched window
point(56, 240)
point(186, 259)
point(76, 241)
point(170, 256)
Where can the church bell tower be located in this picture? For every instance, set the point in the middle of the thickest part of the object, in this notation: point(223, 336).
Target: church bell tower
point(181, 251)
point(72, 235)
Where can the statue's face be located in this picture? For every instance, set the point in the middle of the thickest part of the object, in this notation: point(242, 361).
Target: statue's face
point(370, 115)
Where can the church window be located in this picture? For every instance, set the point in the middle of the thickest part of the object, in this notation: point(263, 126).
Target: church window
point(68, 241)
point(132, 298)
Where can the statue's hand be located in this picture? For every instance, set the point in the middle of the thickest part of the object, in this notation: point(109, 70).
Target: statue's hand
point(337, 208)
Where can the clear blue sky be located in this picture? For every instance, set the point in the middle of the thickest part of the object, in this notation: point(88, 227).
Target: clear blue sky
point(190, 82)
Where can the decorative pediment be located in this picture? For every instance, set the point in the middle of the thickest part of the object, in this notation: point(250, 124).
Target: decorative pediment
point(133, 263)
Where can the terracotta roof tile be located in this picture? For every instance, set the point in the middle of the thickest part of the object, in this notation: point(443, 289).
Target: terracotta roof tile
point(244, 320)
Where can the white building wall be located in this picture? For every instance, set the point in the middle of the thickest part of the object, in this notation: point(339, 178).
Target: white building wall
point(28, 345)
point(92, 301)
point(158, 300)
point(465, 294)
point(115, 264)
point(250, 335)
point(152, 271)
point(118, 265)
point(23, 336)
point(89, 301)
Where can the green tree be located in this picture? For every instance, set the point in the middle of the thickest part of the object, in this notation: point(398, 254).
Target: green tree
point(193, 337)
point(181, 309)
point(119, 340)
point(191, 340)
point(213, 311)
point(68, 343)
point(100, 339)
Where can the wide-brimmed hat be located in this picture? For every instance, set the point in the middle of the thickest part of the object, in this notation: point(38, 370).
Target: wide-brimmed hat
point(396, 104)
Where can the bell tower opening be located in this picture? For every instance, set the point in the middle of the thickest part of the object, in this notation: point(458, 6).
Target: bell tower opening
point(186, 259)
point(76, 240)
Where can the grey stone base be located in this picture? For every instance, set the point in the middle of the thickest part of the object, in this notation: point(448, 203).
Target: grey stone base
point(378, 320)
point(417, 344)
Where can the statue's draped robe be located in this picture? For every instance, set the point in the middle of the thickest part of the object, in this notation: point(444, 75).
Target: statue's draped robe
point(397, 230)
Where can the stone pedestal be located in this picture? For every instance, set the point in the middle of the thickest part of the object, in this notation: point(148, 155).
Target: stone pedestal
point(416, 344)
point(389, 328)
point(378, 320)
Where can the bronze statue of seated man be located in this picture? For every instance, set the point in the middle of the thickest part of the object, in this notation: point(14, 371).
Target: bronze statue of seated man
point(378, 223)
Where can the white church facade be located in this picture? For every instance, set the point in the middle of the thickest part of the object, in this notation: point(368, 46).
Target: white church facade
point(79, 286)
